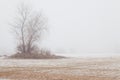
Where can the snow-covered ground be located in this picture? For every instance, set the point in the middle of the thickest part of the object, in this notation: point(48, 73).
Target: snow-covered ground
point(54, 62)
point(102, 67)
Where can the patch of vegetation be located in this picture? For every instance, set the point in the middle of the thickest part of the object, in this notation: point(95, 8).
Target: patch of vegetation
point(41, 55)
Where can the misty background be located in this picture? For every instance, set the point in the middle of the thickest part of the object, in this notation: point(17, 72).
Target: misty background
point(76, 27)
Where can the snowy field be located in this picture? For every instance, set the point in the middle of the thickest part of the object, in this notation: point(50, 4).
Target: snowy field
point(107, 68)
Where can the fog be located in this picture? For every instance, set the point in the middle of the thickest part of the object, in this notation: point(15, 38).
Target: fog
point(76, 27)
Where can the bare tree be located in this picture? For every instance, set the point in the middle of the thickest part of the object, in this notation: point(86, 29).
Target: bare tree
point(28, 27)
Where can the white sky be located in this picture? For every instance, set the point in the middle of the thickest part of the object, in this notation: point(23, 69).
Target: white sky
point(76, 26)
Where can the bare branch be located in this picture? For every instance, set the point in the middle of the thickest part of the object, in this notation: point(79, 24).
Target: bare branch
point(28, 28)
